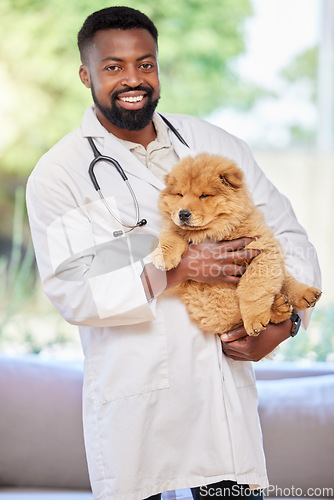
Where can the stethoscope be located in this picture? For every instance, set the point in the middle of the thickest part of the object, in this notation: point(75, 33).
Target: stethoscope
point(98, 157)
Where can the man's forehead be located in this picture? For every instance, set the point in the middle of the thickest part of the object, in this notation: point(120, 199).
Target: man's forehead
point(115, 41)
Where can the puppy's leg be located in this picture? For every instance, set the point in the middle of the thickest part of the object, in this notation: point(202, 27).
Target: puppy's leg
point(257, 288)
point(281, 309)
point(170, 250)
point(301, 296)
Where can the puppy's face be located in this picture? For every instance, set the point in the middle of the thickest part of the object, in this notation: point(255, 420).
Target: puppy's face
point(203, 189)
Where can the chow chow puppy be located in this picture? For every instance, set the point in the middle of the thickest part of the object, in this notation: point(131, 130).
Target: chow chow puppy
point(206, 199)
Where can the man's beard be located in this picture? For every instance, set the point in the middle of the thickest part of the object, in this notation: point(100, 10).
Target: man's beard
point(128, 119)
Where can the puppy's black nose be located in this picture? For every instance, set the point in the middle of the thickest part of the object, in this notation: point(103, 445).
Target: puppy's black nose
point(184, 215)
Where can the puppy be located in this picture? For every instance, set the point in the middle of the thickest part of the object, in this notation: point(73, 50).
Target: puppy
point(206, 199)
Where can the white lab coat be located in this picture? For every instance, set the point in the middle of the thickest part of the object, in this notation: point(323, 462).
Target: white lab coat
point(163, 407)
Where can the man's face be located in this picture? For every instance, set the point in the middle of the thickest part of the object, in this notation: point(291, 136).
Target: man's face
point(122, 72)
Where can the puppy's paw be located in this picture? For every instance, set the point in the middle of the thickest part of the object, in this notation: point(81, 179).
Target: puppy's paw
point(254, 324)
point(281, 309)
point(309, 298)
point(158, 258)
point(164, 260)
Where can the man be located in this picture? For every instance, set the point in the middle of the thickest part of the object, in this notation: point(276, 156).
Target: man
point(165, 406)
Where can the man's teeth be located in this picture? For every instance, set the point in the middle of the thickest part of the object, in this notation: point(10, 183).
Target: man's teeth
point(132, 99)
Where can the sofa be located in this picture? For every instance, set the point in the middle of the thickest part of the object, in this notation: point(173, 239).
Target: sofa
point(42, 453)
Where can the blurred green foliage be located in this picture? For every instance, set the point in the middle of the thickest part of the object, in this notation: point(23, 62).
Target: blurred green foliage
point(17, 273)
point(29, 324)
point(42, 97)
point(314, 344)
point(301, 74)
point(303, 69)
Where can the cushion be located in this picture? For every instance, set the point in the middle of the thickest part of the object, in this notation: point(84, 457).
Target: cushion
point(19, 494)
point(297, 418)
point(266, 370)
point(41, 425)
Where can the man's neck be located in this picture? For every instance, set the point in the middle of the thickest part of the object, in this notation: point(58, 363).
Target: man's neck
point(143, 137)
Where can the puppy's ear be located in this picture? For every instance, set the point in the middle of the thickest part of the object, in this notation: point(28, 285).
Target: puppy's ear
point(233, 178)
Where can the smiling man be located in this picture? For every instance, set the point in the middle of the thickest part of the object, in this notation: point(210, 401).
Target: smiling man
point(121, 68)
point(164, 406)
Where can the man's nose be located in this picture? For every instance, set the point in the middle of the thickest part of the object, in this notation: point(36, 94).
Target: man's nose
point(131, 77)
point(184, 215)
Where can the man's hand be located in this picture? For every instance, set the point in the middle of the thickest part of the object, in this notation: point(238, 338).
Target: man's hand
point(225, 262)
point(241, 347)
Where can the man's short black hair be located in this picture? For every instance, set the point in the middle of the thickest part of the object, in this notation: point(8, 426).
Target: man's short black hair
point(124, 18)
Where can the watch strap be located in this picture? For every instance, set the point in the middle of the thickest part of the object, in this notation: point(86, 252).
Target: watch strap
point(296, 321)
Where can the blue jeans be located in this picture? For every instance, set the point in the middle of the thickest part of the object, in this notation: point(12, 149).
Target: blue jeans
point(229, 490)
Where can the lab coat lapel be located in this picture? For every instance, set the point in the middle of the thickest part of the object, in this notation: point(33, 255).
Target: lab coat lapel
point(128, 161)
point(180, 149)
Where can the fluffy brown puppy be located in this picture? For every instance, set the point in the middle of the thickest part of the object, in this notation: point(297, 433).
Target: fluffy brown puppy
point(206, 199)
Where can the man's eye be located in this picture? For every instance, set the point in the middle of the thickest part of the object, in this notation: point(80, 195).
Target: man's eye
point(113, 68)
point(204, 196)
point(147, 66)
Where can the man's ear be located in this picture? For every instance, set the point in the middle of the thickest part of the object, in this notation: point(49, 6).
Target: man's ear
point(84, 76)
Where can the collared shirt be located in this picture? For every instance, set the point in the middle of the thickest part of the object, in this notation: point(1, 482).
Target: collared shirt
point(160, 155)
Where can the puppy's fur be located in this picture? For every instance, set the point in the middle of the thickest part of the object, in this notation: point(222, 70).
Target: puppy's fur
point(206, 199)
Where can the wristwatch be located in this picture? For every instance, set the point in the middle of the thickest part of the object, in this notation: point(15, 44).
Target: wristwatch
point(296, 321)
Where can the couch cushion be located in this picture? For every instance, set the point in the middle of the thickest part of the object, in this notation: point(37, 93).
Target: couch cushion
point(24, 494)
point(19, 494)
point(268, 370)
point(297, 418)
point(40, 424)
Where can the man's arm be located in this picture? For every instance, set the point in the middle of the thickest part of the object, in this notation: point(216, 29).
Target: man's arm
point(91, 279)
point(241, 347)
point(205, 263)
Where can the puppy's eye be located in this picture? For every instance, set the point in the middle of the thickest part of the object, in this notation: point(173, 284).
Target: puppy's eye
point(179, 194)
point(204, 196)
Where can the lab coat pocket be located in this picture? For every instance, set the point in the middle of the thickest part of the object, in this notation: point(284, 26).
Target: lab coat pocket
point(127, 361)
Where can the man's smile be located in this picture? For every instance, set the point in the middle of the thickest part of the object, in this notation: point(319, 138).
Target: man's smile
point(132, 100)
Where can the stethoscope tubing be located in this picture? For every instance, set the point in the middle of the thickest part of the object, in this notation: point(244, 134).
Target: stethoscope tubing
point(175, 132)
point(99, 157)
